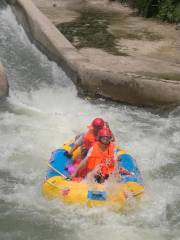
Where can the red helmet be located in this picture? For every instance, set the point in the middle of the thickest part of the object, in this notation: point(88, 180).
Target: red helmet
point(105, 132)
point(98, 123)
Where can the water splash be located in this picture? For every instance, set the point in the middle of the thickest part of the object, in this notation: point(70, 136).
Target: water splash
point(43, 111)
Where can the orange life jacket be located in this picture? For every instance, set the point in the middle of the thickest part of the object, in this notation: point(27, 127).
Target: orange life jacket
point(105, 159)
point(89, 139)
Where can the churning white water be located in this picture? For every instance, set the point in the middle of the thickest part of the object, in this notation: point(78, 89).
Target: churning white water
point(42, 111)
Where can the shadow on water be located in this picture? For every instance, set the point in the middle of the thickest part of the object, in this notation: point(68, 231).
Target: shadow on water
point(3, 4)
point(18, 221)
point(8, 182)
point(167, 171)
point(173, 213)
point(26, 223)
point(162, 111)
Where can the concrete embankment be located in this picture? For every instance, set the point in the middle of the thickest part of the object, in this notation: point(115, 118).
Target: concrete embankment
point(4, 87)
point(124, 87)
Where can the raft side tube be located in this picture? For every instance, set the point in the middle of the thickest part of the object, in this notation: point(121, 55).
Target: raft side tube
point(129, 163)
point(59, 162)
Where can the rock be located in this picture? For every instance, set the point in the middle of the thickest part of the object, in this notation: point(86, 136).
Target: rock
point(4, 86)
point(178, 26)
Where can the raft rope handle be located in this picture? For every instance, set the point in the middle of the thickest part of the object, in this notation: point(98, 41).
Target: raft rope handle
point(60, 173)
point(138, 193)
point(63, 188)
point(54, 185)
point(69, 188)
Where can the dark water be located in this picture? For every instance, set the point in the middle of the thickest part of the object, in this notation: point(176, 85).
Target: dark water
point(43, 111)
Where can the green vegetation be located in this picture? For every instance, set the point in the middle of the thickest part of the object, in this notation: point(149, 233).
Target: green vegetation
point(177, 13)
point(169, 11)
point(91, 30)
point(166, 10)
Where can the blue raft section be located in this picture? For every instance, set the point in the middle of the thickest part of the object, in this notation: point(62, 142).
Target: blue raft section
point(60, 162)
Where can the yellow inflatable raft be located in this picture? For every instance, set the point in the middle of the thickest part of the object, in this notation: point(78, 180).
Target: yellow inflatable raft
point(57, 185)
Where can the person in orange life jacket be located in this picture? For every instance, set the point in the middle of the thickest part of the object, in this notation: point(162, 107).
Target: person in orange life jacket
point(101, 155)
point(86, 140)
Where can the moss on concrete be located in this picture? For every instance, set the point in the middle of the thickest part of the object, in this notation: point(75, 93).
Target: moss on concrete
point(91, 30)
point(94, 29)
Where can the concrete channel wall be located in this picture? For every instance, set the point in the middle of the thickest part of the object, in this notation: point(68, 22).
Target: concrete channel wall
point(4, 87)
point(95, 81)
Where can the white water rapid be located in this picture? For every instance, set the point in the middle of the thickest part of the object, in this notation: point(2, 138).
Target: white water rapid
point(42, 111)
